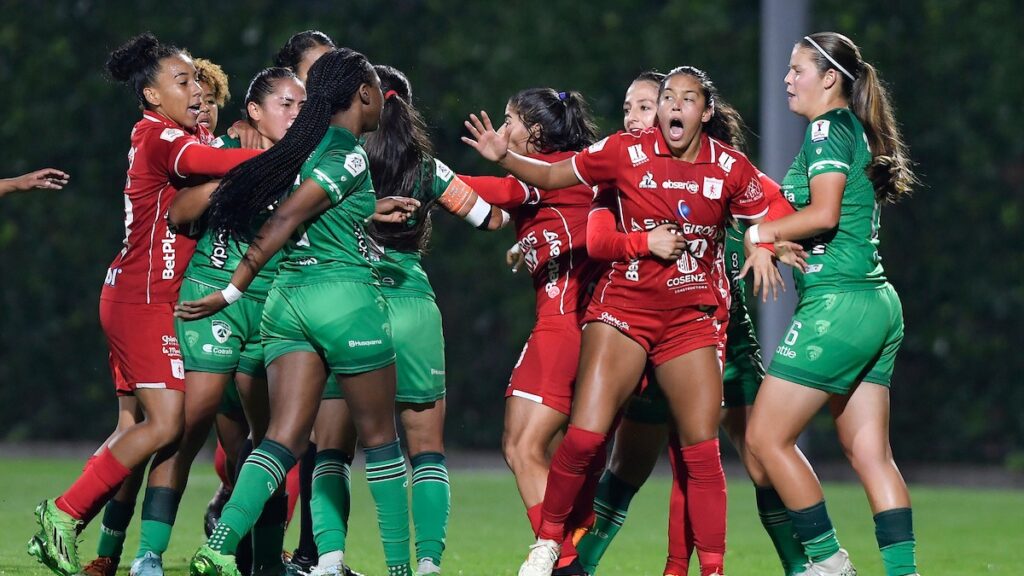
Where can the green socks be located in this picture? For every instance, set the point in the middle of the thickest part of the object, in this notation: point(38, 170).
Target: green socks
point(159, 509)
point(116, 517)
point(894, 530)
point(386, 473)
point(262, 474)
point(610, 505)
point(331, 500)
point(814, 530)
point(779, 527)
point(431, 504)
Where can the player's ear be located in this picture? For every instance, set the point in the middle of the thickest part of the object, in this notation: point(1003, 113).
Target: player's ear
point(364, 94)
point(152, 96)
point(254, 111)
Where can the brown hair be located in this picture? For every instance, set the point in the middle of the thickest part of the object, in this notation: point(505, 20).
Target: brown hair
point(725, 124)
point(891, 170)
point(213, 75)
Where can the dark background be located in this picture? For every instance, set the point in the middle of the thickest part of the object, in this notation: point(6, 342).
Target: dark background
point(956, 73)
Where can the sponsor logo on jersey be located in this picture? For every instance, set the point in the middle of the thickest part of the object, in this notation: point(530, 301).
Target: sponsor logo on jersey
point(442, 170)
point(686, 263)
point(167, 247)
point(311, 261)
point(597, 146)
point(819, 130)
point(612, 320)
point(686, 279)
point(689, 185)
point(219, 253)
point(633, 271)
point(725, 162)
point(636, 154)
point(786, 351)
point(753, 193)
point(713, 188)
point(647, 181)
point(169, 345)
point(684, 209)
point(221, 331)
point(217, 350)
point(112, 274)
point(171, 134)
point(707, 230)
point(358, 343)
point(355, 164)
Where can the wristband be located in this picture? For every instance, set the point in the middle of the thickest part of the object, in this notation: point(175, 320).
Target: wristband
point(231, 294)
point(505, 217)
point(755, 234)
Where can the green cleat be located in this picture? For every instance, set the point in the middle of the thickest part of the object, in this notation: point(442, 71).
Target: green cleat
point(56, 543)
point(209, 562)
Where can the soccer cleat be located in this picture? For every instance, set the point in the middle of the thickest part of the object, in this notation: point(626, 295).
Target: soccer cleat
point(332, 570)
point(541, 559)
point(427, 566)
point(299, 564)
point(56, 543)
point(209, 562)
point(214, 508)
point(574, 568)
point(837, 564)
point(101, 566)
point(150, 564)
point(346, 571)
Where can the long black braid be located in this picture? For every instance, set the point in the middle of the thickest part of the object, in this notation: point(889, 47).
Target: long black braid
point(249, 188)
point(400, 156)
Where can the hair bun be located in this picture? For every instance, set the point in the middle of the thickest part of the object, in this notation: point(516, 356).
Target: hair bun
point(132, 56)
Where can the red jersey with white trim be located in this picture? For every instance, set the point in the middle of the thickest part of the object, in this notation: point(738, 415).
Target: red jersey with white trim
point(653, 188)
point(551, 229)
point(149, 267)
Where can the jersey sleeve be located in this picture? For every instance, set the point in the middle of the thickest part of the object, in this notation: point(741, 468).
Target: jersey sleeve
point(746, 195)
point(604, 241)
point(829, 145)
point(598, 165)
point(778, 206)
point(503, 192)
point(339, 173)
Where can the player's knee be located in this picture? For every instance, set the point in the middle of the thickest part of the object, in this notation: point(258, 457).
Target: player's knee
point(521, 454)
point(167, 432)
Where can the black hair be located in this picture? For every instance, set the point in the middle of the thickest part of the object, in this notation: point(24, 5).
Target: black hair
point(650, 76)
point(137, 62)
point(291, 53)
point(250, 187)
point(891, 169)
point(263, 85)
point(564, 118)
point(401, 163)
point(725, 124)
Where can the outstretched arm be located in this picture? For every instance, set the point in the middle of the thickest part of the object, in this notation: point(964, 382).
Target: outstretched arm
point(493, 145)
point(45, 179)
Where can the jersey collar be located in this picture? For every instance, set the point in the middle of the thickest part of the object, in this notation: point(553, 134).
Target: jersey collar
point(706, 154)
point(161, 119)
point(342, 137)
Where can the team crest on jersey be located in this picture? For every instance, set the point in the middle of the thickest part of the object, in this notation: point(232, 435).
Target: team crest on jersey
point(443, 171)
point(221, 331)
point(355, 164)
point(819, 130)
point(725, 162)
point(191, 336)
point(177, 368)
point(636, 155)
point(648, 181)
point(171, 134)
point(713, 188)
point(597, 146)
point(814, 352)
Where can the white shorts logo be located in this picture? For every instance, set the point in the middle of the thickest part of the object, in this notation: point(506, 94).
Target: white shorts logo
point(221, 331)
point(177, 368)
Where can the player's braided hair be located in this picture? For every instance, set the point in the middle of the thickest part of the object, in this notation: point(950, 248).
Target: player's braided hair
point(564, 118)
point(137, 62)
point(249, 188)
point(400, 156)
point(891, 169)
point(725, 124)
point(291, 53)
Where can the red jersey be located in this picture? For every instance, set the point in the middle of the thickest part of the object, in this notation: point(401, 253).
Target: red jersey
point(149, 267)
point(551, 229)
point(653, 188)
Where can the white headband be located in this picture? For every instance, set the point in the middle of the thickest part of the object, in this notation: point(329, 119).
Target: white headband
point(830, 59)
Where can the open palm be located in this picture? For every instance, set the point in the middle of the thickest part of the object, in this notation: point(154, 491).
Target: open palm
point(491, 144)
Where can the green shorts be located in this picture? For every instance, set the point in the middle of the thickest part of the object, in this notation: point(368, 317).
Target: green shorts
point(837, 340)
point(744, 370)
point(226, 342)
point(346, 323)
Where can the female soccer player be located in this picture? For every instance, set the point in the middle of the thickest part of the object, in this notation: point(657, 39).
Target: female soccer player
point(45, 179)
point(214, 83)
point(842, 343)
point(651, 309)
point(645, 424)
point(551, 231)
point(136, 305)
point(304, 329)
point(302, 50)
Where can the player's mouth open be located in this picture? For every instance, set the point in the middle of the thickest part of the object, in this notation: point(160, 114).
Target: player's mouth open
point(675, 128)
point(194, 109)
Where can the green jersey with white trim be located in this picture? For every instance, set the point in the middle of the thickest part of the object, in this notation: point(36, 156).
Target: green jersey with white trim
point(401, 271)
point(845, 258)
point(217, 254)
point(333, 245)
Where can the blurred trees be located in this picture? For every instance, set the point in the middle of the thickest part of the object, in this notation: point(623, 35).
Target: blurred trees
point(957, 391)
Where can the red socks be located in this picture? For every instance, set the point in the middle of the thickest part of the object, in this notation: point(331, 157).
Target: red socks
point(680, 533)
point(568, 473)
point(97, 484)
point(220, 466)
point(533, 513)
point(706, 503)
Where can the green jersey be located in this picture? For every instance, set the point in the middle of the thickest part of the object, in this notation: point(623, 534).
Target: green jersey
point(217, 254)
point(333, 245)
point(845, 258)
point(401, 271)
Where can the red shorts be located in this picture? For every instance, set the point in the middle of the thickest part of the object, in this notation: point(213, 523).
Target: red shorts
point(144, 351)
point(663, 334)
point(546, 371)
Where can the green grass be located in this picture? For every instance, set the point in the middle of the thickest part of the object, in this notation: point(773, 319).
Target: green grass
point(960, 531)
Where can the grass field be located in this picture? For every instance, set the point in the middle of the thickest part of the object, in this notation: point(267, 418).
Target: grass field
point(960, 531)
